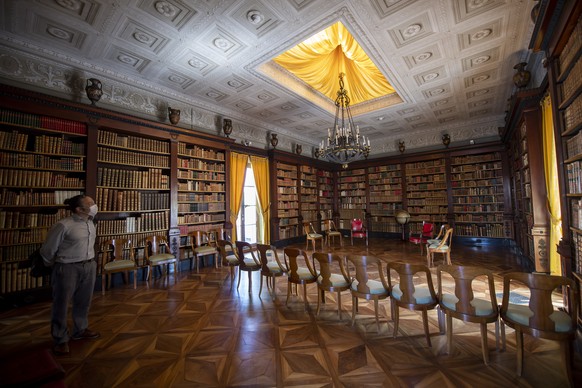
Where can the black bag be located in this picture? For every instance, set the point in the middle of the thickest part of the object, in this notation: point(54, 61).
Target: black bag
point(37, 267)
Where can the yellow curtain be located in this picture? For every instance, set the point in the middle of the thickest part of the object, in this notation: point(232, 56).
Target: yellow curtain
point(320, 59)
point(551, 172)
point(238, 168)
point(261, 173)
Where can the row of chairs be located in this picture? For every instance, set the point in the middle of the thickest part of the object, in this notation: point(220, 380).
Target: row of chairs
point(410, 286)
point(330, 233)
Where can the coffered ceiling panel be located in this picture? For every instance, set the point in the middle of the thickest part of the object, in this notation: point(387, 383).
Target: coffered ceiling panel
point(450, 61)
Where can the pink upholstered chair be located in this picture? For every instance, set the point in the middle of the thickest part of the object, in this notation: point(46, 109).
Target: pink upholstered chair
point(358, 230)
point(426, 233)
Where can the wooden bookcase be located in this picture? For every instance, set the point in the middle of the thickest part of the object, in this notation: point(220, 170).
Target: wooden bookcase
point(352, 192)
point(42, 163)
point(287, 200)
point(325, 187)
point(308, 194)
point(133, 187)
point(478, 195)
point(385, 187)
point(426, 192)
point(201, 190)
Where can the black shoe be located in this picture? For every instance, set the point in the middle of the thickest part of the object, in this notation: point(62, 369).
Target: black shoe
point(86, 334)
point(61, 349)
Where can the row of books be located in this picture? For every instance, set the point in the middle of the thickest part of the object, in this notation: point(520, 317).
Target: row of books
point(144, 223)
point(574, 177)
point(351, 186)
point(492, 230)
point(477, 175)
point(353, 196)
point(478, 199)
point(201, 186)
point(478, 190)
point(478, 208)
point(357, 171)
point(14, 279)
point(386, 198)
point(23, 236)
point(152, 178)
point(434, 186)
point(30, 178)
point(385, 226)
point(308, 183)
point(286, 214)
point(309, 206)
point(37, 121)
point(41, 162)
point(198, 164)
point(573, 118)
point(576, 214)
point(13, 141)
point(286, 176)
point(287, 201)
point(572, 46)
point(130, 200)
point(57, 145)
point(285, 233)
point(132, 158)
point(201, 207)
point(434, 200)
point(385, 181)
point(195, 197)
point(396, 188)
point(578, 257)
point(199, 152)
point(285, 187)
point(201, 218)
point(17, 252)
point(571, 84)
point(201, 175)
point(27, 198)
point(132, 142)
point(477, 159)
point(431, 209)
point(15, 220)
point(495, 217)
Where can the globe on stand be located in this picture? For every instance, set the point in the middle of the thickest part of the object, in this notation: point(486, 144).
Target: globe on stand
point(402, 217)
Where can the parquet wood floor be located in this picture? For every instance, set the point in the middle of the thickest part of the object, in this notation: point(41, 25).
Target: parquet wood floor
point(197, 330)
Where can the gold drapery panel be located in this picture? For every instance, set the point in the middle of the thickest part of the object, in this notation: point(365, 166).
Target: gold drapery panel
point(238, 168)
point(319, 60)
point(261, 174)
point(552, 186)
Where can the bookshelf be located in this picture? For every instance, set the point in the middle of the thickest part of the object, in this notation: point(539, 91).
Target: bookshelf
point(133, 187)
point(478, 196)
point(201, 190)
point(352, 193)
point(325, 186)
point(42, 163)
point(426, 192)
point(287, 200)
point(308, 194)
point(385, 187)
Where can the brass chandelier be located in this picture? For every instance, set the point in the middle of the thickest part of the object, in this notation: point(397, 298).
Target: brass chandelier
point(345, 144)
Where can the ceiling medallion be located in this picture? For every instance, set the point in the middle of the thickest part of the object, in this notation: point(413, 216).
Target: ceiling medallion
point(255, 17)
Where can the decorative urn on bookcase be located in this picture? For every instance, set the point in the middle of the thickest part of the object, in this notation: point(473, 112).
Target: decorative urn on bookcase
point(94, 90)
point(227, 127)
point(174, 115)
point(522, 77)
point(274, 140)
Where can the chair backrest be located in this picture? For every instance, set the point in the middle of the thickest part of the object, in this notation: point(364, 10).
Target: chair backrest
point(325, 262)
point(447, 239)
point(365, 268)
point(357, 225)
point(292, 256)
point(541, 288)
point(244, 248)
point(200, 238)
point(464, 279)
point(264, 250)
point(117, 249)
point(153, 245)
point(308, 228)
point(443, 229)
point(225, 248)
point(409, 276)
point(427, 229)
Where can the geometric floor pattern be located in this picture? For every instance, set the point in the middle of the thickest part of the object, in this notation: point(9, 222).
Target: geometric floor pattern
point(197, 330)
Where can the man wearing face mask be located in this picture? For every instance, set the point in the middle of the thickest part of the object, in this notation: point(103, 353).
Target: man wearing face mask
point(70, 249)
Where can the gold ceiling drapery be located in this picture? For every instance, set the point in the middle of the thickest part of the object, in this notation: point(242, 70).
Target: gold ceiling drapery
point(319, 60)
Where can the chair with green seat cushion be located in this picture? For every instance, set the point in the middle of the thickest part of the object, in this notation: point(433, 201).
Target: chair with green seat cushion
point(228, 255)
point(117, 255)
point(331, 233)
point(201, 244)
point(247, 261)
point(311, 235)
point(411, 287)
point(271, 266)
point(156, 254)
point(540, 318)
point(439, 237)
point(443, 247)
point(298, 274)
point(328, 280)
point(462, 303)
point(362, 271)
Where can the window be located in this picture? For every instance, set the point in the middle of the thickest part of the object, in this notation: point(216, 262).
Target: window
point(248, 221)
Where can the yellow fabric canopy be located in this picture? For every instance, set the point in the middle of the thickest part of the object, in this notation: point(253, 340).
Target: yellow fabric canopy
point(319, 60)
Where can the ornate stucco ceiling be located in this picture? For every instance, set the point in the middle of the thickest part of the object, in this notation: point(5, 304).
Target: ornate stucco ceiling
point(451, 62)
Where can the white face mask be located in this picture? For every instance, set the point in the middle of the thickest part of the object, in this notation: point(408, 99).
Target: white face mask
point(93, 211)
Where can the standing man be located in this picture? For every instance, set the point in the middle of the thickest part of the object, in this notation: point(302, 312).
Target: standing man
point(70, 248)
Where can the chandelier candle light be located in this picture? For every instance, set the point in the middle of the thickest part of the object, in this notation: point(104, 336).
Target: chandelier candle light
point(345, 145)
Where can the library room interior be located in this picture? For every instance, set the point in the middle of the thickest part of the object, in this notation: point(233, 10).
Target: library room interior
point(290, 193)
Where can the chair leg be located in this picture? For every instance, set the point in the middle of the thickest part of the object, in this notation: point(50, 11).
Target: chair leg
point(288, 292)
point(239, 276)
point(376, 314)
point(135, 279)
point(354, 308)
point(148, 274)
point(425, 324)
point(305, 295)
point(261, 286)
point(484, 347)
point(339, 305)
point(497, 335)
point(395, 317)
point(274, 289)
point(449, 333)
point(502, 334)
point(519, 346)
point(318, 302)
point(250, 281)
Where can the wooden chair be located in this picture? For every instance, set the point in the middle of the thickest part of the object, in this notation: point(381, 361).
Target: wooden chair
point(363, 286)
point(443, 247)
point(358, 230)
point(156, 256)
point(311, 235)
point(201, 243)
point(228, 256)
point(464, 305)
point(442, 230)
point(421, 238)
point(297, 274)
point(411, 291)
point(271, 266)
point(247, 261)
point(117, 255)
point(330, 281)
point(539, 318)
point(331, 233)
